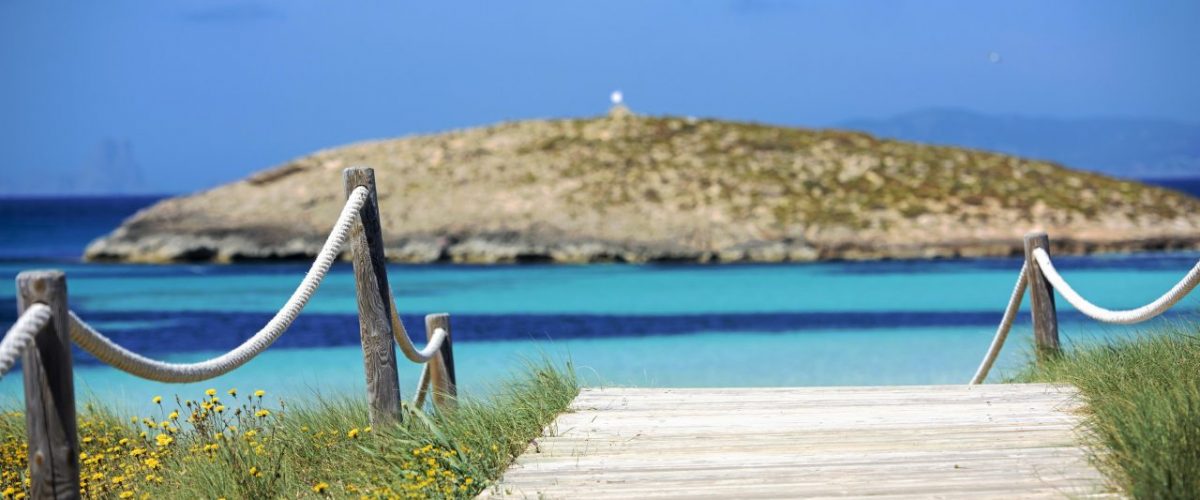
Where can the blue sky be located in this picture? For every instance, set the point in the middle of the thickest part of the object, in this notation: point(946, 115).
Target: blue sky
point(209, 91)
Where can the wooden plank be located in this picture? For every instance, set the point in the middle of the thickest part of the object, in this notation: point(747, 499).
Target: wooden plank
point(999, 441)
point(50, 390)
point(1041, 298)
point(374, 314)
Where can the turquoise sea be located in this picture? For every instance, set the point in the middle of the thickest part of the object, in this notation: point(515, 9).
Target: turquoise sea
point(918, 322)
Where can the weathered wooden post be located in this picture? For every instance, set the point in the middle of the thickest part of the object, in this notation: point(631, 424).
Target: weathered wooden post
point(445, 388)
point(1041, 298)
point(49, 390)
point(374, 313)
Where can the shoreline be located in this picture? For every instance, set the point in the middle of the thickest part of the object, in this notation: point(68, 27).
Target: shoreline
point(490, 252)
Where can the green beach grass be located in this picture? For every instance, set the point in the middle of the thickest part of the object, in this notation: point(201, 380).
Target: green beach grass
point(230, 444)
point(1142, 396)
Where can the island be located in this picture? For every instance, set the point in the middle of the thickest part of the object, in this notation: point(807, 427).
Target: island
point(624, 187)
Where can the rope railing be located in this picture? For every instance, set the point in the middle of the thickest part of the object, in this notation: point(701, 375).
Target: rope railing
point(1039, 265)
point(1124, 317)
point(1010, 314)
point(406, 345)
point(45, 317)
point(21, 335)
point(133, 363)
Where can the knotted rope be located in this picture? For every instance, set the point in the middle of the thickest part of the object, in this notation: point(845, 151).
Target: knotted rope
point(125, 360)
point(20, 336)
point(1125, 317)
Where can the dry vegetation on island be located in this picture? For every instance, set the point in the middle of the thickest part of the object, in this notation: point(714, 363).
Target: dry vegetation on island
point(633, 188)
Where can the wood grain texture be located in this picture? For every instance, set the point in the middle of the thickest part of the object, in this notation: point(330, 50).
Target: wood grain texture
point(374, 315)
point(1041, 298)
point(50, 390)
point(983, 441)
point(444, 381)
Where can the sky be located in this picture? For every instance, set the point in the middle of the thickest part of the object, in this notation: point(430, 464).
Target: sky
point(192, 94)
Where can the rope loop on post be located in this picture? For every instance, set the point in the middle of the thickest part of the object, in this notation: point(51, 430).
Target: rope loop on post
point(21, 335)
point(406, 344)
point(1123, 317)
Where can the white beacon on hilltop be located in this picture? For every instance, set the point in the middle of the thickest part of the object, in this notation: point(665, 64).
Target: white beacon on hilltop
point(617, 97)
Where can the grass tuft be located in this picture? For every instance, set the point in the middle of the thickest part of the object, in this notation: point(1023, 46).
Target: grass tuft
point(244, 445)
point(1142, 400)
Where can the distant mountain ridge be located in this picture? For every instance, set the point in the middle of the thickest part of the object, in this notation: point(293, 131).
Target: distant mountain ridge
point(1124, 147)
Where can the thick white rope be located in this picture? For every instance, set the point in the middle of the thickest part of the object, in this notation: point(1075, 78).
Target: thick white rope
point(121, 358)
point(1126, 317)
point(406, 346)
point(21, 335)
point(1010, 313)
point(422, 387)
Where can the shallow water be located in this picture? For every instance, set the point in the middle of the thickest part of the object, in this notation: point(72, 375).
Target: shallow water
point(779, 325)
point(684, 325)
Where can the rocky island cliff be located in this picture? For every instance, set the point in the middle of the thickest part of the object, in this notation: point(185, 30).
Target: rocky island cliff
point(635, 188)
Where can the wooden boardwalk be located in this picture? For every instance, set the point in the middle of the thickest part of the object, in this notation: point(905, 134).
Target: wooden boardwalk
point(996, 441)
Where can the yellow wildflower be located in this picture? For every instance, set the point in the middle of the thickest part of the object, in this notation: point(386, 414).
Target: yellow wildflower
point(254, 472)
point(174, 415)
point(262, 413)
point(163, 439)
point(260, 393)
point(152, 463)
point(320, 487)
point(126, 494)
point(233, 392)
point(211, 392)
point(220, 408)
point(353, 433)
point(157, 400)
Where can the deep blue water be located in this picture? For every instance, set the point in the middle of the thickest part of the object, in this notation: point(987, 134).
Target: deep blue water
point(59, 228)
point(1189, 186)
point(674, 325)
